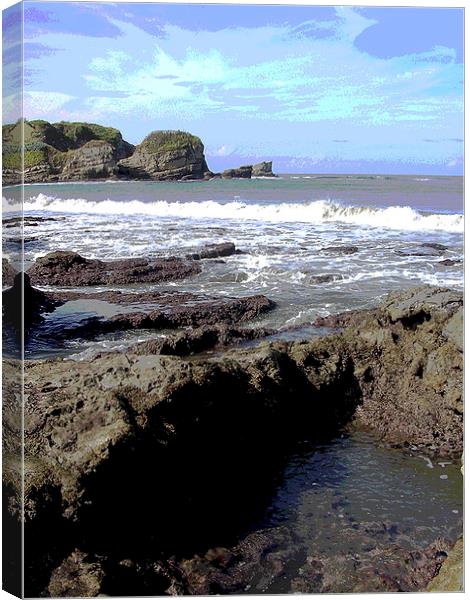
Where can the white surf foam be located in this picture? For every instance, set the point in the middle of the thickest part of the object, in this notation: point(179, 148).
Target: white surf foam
point(317, 212)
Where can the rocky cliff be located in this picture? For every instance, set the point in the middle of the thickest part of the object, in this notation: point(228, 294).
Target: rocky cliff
point(61, 151)
point(68, 151)
point(167, 155)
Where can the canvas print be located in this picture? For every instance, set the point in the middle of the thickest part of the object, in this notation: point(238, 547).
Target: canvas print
point(232, 299)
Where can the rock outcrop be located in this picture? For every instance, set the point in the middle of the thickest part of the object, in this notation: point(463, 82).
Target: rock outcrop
point(214, 251)
point(244, 172)
point(101, 434)
point(70, 269)
point(8, 273)
point(451, 574)
point(61, 151)
point(263, 169)
point(69, 151)
point(167, 155)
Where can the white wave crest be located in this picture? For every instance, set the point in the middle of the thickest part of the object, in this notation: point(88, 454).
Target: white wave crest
point(316, 212)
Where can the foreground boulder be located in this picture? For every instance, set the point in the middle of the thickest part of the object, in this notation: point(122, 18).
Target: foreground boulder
point(101, 434)
point(166, 155)
point(71, 269)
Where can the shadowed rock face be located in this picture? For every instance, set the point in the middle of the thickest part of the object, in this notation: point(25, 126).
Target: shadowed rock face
point(148, 442)
point(8, 273)
point(70, 269)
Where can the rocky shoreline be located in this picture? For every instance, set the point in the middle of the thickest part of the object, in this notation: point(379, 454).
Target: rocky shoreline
point(68, 151)
point(129, 453)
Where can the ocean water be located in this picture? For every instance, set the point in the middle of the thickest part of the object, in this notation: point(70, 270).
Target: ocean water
point(283, 226)
point(346, 497)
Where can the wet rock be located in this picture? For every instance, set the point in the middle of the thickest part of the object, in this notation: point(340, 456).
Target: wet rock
point(200, 340)
point(436, 246)
point(326, 278)
point(203, 311)
point(213, 251)
point(450, 576)
point(263, 169)
point(28, 221)
point(8, 273)
point(95, 430)
point(76, 577)
point(239, 173)
point(383, 568)
point(450, 262)
point(35, 304)
point(341, 250)
point(423, 250)
point(161, 310)
point(71, 269)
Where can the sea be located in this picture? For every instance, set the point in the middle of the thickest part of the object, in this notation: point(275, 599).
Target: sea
point(290, 230)
point(352, 496)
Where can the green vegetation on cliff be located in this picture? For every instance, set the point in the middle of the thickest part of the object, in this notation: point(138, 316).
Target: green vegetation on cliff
point(66, 151)
point(53, 145)
point(169, 141)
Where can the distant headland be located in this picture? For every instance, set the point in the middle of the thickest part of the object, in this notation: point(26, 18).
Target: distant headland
point(71, 151)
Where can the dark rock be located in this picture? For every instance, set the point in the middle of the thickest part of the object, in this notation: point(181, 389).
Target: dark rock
point(199, 340)
point(166, 155)
point(213, 251)
point(70, 269)
point(76, 577)
point(35, 303)
point(423, 250)
point(240, 173)
point(8, 273)
point(100, 433)
point(340, 250)
point(326, 278)
point(263, 169)
point(435, 246)
point(196, 312)
point(450, 262)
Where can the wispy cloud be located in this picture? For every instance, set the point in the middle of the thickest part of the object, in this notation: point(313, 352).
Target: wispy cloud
point(282, 85)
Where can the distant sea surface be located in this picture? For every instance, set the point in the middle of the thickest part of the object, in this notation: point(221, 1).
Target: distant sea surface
point(287, 229)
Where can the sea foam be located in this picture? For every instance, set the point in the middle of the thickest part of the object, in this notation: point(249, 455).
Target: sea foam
point(315, 212)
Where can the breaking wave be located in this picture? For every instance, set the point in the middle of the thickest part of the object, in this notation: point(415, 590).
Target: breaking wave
point(316, 212)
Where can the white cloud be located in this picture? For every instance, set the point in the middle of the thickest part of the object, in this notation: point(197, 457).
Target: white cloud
point(40, 104)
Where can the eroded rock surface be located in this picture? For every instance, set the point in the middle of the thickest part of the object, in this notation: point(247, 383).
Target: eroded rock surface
point(101, 434)
point(8, 273)
point(66, 268)
point(166, 155)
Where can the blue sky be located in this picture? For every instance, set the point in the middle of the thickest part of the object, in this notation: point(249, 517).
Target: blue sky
point(316, 89)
